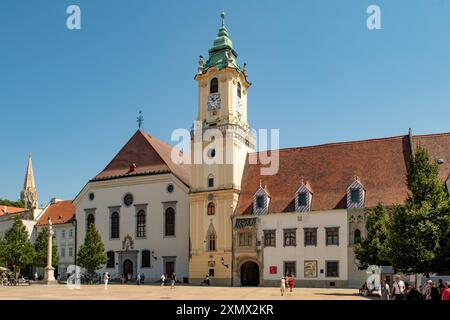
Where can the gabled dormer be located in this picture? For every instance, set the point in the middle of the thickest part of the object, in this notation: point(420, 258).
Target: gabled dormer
point(356, 195)
point(303, 197)
point(261, 200)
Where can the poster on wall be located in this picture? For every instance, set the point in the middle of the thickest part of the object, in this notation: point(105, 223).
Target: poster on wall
point(273, 270)
point(311, 269)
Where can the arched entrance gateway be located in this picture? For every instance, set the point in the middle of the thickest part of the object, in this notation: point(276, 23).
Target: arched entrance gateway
point(249, 274)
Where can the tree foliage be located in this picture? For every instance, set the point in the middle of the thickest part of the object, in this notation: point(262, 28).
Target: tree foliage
point(415, 237)
point(370, 251)
point(40, 247)
point(418, 232)
point(91, 254)
point(16, 249)
point(10, 203)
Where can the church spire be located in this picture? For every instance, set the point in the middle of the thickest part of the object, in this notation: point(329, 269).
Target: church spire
point(222, 53)
point(29, 195)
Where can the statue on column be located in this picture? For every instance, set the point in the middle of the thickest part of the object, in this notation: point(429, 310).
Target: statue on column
point(49, 273)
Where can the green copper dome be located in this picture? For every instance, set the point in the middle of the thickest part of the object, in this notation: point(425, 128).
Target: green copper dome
point(222, 53)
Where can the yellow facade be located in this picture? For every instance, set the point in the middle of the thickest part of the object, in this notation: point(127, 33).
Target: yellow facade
point(232, 141)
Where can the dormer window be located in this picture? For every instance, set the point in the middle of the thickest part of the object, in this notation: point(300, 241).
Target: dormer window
point(356, 195)
point(303, 198)
point(261, 201)
point(214, 85)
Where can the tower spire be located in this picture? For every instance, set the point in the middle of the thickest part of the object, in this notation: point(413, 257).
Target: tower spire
point(29, 195)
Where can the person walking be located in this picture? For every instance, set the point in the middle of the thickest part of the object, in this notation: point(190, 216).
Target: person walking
point(138, 279)
point(283, 285)
point(398, 288)
point(441, 286)
point(426, 290)
point(446, 292)
point(142, 278)
point(291, 282)
point(384, 290)
point(106, 280)
point(163, 279)
point(434, 292)
point(173, 279)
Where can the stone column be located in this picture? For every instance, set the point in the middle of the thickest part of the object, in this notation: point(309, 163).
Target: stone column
point(49, 271)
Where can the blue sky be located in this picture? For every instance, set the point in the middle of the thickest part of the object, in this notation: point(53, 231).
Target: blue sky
point(70, 98)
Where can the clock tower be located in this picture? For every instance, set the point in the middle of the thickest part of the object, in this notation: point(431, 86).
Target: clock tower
point(220, 142)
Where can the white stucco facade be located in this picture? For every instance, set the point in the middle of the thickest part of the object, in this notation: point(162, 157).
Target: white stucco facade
point(150, 194)
point(312, 260)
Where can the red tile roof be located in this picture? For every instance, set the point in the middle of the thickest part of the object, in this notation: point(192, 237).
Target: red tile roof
point(329, 169)
point(143, 155)
point(60, 212)
point(4, 210)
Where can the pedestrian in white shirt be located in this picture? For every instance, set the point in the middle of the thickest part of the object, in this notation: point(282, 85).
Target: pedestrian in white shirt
point(398, 288)
point(283, 285)
point(163, 279)
point(106, 279)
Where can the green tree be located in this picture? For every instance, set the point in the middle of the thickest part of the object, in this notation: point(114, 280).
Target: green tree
point(17, 204)
point(91, 254)
point(371, 250)
point(16, 249)
point(417, 233)
point(40, 247)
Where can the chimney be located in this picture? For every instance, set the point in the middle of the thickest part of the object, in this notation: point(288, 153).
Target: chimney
point(55, 200)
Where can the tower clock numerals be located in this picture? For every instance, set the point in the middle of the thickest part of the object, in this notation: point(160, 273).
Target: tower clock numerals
point(213, 101)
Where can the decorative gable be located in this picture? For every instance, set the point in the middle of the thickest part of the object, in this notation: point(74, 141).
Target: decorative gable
point(261, 200)
point(303, 198)
point(356, 195)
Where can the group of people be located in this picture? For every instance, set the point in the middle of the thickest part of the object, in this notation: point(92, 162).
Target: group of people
point(287, 281)
point(401, 291)
point(172, 279)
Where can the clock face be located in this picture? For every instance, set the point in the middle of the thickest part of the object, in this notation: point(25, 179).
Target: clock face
point(213, 101)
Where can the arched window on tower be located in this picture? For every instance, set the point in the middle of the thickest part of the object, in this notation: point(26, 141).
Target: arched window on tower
point(211, 239)
point(239, 90)
point(214, 85)
point(145, 261)
point(111, 257)
point(357, 236)
point(210, 181)
point(211, 209)
point(115, 225)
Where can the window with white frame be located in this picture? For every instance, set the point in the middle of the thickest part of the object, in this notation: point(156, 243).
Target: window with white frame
point(260, 201)
point(356, 195)
point(303, 199)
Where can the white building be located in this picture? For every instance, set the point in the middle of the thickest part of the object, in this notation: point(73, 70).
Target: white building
point(305, 219)
point(62, 214)
point(139, 204)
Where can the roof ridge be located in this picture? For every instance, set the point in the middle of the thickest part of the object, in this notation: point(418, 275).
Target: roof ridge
point(335, 144)
point(429, 135)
